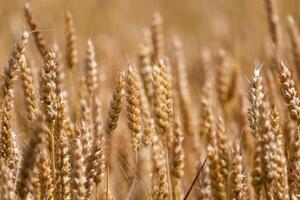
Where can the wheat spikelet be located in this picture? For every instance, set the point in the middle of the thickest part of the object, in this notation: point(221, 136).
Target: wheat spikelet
point(8, 147)
point(293, 175)
point(178, 161)
point(62, 155)
point(294, 37)
point(45, 176)
point(86, 114)
point(49, 100)
point(255, 96)
point(48, 87)
point(205, 191)
point(7, 187)
point(29, 196)
point(273, 22)
point(65, 162)
point(71, 50)
point(115, 105)
point(144, 65)
point(86, 139)
point(223, 78)
point(238, 175)
point(28, 88)
point(159, 171)
point(14, 62)
point(6, 139)
point(223, 151)
point(167, 88)
point(206, 120)
point(148, 132)
point(291, 98)
point(36, 184)
point(26, 175)
point(63, 122)
point(133, 108)
point(99, 156)
point(232, 87)
point(157, 37)
point(60, 75)
point(91, 73)
point(162, 102)
point(183, 88)
point(217, 180)
point(79, 168)
point(38, 37)
point(114, 110)
point(289, 93)
point(281, 181)
point(147, 120)
point(266, 138)
point(268, 148)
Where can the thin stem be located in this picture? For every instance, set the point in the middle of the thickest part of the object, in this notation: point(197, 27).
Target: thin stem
point(168, 173)
point(52, 149)
point(73, 93)
point(194, 181)
point(107, 182)
point(97, 191)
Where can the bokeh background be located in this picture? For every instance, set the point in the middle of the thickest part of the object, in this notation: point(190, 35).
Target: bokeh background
point(115, 25)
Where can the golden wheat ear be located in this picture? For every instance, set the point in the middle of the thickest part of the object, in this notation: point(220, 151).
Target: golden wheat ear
point(14, 63)
point(7, 187)
point(291, 98)
point(159, 183)
point(133, 108)
point(91, 72)
point(255, 96)
point(45, 175)
point(71, 48)
point(281, 181)
point(38, 37)
point(7, 138)
point(79, 169)
point(157, 32)
point(274, 23)
point(28, 89)
point(98, 149)
point(178, 163)
point(183, 89)
point(145, 65)
point(238, 175)
point(114, 111)
point(295, 42)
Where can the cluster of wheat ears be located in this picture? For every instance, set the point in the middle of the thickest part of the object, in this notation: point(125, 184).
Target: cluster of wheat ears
point(238, 144)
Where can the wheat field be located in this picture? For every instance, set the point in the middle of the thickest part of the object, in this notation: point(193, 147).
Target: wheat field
point(156, 100)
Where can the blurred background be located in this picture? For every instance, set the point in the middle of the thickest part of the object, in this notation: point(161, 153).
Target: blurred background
point(236, 25)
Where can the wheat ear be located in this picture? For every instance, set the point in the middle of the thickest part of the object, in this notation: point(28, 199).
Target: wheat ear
point(157, 37)
point(14, 62)
point(91, 73)
point(178, 161)
point(273, 21)
point(238, 176)
point(133, 108)
point(28, 88)
point(71, 49)
point(38, 37)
